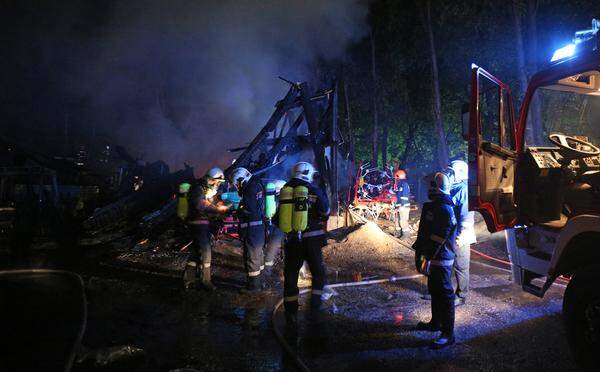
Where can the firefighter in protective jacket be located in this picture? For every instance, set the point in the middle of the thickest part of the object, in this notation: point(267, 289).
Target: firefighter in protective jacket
point(458, 172)
point(436, 242)
point(251, 214)
point(402, 191)
point(205, 215)
point(304, 244)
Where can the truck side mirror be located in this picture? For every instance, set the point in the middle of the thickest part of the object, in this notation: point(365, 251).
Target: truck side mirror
point(465, 121)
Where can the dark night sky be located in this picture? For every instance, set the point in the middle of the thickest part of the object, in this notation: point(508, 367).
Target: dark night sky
point(172, 80)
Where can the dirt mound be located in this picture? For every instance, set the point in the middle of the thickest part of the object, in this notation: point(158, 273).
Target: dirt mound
point(368, 249)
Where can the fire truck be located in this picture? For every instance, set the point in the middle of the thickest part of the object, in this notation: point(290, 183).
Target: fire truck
point(536, 175)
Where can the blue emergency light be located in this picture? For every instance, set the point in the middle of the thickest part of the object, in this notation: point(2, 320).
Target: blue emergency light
point(582, 41)
point(564, 52)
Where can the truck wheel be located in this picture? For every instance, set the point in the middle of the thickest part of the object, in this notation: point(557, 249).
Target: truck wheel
point(581, 312)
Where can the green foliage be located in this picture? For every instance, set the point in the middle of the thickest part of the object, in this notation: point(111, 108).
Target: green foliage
point(471, 31)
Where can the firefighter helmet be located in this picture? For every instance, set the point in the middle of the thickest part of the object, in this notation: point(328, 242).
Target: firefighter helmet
point(460, 170)
point(239, 177)
point(215, 173)
point(439, 183)
point(400, 174)
point(304, 171)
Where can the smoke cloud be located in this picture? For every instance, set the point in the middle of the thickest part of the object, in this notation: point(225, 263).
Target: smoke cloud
point(183, 81)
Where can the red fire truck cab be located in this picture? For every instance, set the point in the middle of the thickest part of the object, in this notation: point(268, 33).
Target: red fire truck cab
point(537, 177)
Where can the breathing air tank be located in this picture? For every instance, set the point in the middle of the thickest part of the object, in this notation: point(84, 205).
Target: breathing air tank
point(286, 208)
point(300, 218)
point(183, 207)
point(270, 203)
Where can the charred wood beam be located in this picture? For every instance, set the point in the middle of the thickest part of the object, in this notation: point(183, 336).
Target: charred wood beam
point(286, 140)
point(333, 137)
point(314, 131)
point(236, 149)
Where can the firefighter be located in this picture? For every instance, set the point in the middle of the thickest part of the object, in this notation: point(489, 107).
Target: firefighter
point(204, 215)
point(304, 240)
point(402, 191)
point(251, 214)
point(435, 241)
point(458, 172)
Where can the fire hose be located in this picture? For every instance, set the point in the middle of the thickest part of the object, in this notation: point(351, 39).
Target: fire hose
point(288, 349)
point(481, 254)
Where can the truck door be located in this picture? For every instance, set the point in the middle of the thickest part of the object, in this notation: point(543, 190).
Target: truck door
point(492, 155)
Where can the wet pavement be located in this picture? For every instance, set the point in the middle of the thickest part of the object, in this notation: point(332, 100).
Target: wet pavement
point(195, 329)
point(500, 328)
point(363, 328)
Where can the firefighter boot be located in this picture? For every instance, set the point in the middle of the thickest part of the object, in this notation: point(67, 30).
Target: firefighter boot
point(189, 275)
point(445, 339)
point(429, 327)
point(291, 319)
point(206, 280)
point(253, 286)
point(314, 314)
point(269, 270)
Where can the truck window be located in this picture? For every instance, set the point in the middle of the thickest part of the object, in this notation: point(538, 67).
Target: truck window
point(489, 111)
point(508, 137)
point(569, 112)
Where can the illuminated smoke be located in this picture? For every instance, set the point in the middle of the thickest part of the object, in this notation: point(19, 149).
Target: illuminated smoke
point(183, 81)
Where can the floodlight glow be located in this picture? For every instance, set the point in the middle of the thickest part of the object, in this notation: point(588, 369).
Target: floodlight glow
point(563, 52)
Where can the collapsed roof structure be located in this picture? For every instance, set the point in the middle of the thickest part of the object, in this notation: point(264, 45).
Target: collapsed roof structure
point(303, 127)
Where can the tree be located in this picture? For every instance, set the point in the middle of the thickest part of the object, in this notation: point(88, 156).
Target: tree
point(351, 134)
point(535, 118)
point(384, 143)
point(410, 123)
point(533, 129)
point(375, 134)
point(442, 145)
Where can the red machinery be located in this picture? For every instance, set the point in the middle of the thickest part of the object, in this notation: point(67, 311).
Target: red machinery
point(373, 185)
point(373, 192)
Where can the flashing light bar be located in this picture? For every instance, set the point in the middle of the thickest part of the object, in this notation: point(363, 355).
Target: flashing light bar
point(580, 37)
point(564, 52)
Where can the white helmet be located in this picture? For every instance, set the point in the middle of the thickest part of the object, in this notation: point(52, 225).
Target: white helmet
point(215, 173)
point(460, 170)
point(239, 177)
point(439, 183)
point(304, 171)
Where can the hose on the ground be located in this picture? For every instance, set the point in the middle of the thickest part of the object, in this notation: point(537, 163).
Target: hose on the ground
point(481, 254)
point(299, 363)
